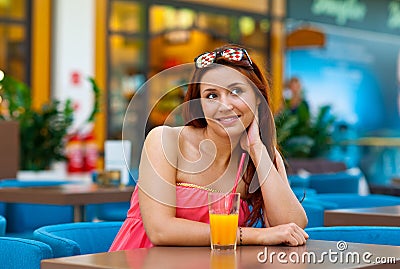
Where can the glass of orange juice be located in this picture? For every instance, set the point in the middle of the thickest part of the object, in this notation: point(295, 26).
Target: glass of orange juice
point(224, 216)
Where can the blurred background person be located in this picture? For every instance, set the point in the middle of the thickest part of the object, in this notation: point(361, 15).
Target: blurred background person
point(294, 95)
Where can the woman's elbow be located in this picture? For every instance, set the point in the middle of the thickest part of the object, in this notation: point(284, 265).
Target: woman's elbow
point(158, 237)
point(302, 222)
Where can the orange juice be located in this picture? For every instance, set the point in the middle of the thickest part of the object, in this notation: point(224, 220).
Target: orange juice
point(223, 229)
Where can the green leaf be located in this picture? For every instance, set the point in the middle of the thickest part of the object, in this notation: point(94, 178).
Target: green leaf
point(96, 105)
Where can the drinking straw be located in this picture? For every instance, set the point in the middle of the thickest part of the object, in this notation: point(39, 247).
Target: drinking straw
point(239, 172)
point(228, 203)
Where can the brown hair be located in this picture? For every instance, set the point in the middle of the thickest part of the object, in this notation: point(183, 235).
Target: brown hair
point(193, 116)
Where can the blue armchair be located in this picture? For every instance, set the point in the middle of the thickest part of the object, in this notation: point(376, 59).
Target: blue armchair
point(357, 234)
point(2, 225)
point(78, 238)
point(17, 253)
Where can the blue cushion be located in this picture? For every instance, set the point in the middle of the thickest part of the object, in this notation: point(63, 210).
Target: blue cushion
point(2, 225)
point(340, 182)
point(78, 238)
point(358, 234)
point(327, 205)
point(347, 200)
point(17, 253)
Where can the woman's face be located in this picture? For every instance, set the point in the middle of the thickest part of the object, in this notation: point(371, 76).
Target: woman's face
point(228, 100)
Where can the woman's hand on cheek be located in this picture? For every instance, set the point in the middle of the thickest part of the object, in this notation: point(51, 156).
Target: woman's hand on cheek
point(251, 136)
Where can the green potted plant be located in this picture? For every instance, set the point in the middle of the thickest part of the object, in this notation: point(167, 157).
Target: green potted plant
point(305, 139)
point(42, 132)
point(303, 135)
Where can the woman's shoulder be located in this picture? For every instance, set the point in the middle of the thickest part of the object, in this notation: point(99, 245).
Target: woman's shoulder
point(168, 138)
point(171, 138)
point(169, 132)
point(163, 132)
point(161, 143)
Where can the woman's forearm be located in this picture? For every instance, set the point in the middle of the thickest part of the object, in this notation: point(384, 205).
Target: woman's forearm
point(179, 232)
point(280, 203)
point(289, 234)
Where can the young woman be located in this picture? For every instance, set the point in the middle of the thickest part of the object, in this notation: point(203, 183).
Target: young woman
point(227, 113)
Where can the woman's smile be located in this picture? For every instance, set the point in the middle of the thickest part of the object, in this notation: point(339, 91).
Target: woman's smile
point(228, 120)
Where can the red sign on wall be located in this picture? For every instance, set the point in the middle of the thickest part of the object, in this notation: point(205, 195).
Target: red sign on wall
point(76, 78)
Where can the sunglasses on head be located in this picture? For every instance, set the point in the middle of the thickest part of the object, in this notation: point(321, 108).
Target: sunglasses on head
point(232, 54)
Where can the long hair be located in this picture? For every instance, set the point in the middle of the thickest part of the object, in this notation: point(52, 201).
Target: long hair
point(194, 116)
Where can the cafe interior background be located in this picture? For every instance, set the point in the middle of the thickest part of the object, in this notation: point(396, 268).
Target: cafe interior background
point(346, 54)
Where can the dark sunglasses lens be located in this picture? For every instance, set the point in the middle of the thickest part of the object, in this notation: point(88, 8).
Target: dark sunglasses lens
point(205, 59)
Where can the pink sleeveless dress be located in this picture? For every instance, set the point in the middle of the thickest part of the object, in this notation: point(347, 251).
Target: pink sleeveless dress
point(191, 204)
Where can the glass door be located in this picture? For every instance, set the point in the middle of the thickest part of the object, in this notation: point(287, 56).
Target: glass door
point(15, 39)
point(126, 44)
